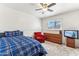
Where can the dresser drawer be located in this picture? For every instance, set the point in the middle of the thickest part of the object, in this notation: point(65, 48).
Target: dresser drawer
point(56, 38)
point(71, 42)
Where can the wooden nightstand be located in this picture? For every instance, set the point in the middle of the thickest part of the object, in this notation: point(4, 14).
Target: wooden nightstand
point(70, 42)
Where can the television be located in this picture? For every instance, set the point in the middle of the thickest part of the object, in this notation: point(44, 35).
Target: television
point(71, 33)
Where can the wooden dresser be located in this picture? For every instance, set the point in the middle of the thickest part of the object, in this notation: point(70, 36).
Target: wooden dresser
point(56, 38)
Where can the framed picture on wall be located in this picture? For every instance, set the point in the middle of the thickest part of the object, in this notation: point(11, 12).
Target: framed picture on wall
point(54, 24)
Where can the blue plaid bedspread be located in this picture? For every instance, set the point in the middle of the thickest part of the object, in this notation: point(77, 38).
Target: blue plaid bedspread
point(20, 46)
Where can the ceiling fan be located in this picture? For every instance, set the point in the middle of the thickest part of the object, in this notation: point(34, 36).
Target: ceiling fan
point(45, 7)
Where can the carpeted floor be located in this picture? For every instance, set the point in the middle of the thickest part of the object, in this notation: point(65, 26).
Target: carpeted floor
point(54, 49)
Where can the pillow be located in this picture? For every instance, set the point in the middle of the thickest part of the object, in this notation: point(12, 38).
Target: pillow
point(20, 33)
point(16, 33)
point(8, 34)
point(1, 35)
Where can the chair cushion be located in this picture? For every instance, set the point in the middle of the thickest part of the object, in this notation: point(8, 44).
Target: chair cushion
point(37, 33)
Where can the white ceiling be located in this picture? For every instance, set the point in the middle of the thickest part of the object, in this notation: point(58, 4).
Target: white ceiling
point(30, 8)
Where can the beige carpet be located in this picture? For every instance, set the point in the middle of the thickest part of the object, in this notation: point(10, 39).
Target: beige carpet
point(54, 49)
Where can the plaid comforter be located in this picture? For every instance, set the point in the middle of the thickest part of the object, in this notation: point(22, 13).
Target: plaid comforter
point(20, 46)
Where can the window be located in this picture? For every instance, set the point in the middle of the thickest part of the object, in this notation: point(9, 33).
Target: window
point(54, 24)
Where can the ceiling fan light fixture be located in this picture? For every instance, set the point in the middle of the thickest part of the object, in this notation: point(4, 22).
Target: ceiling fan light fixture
point(45, 9)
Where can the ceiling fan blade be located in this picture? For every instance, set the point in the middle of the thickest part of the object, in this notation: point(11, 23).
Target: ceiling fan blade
point(38, 9)
point(52, 4)
point(41, 4)
point(50, 10)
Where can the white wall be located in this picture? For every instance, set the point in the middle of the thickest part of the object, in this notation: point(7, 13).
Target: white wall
point(70, 21)
point(11, 19)
point(8, 19)
point(29, 24)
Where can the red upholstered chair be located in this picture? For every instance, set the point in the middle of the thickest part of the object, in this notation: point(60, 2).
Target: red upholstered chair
point(38, 36)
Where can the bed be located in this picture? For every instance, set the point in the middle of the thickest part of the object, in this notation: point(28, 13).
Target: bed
point(21, 46)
